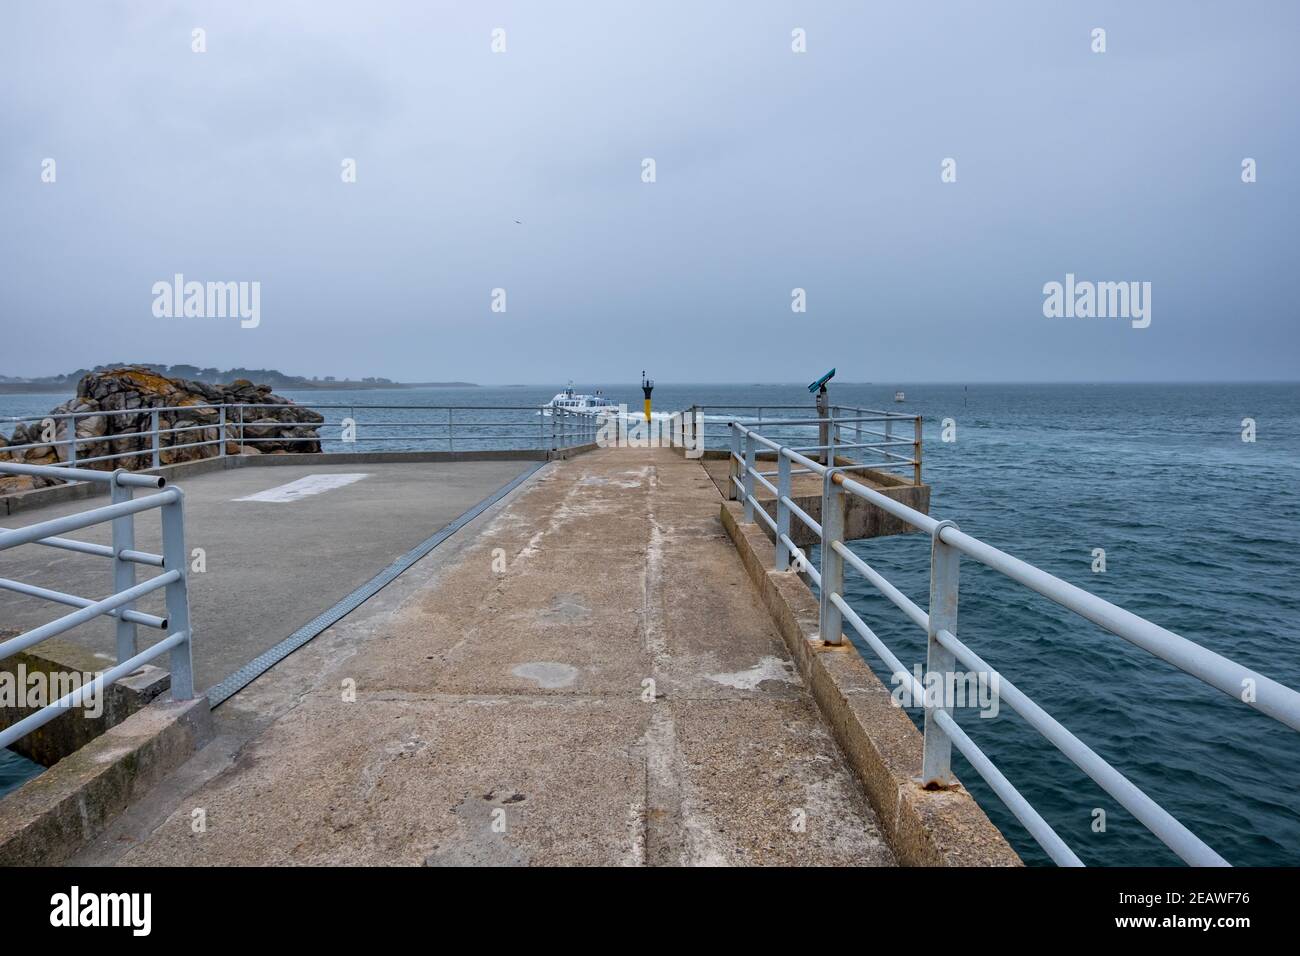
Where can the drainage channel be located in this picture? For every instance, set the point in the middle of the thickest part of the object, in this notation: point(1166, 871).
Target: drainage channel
point(265, 661)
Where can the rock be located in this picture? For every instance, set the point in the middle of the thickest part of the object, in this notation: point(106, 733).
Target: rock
point(125, 401)
point(16, 483)
point(12, 484)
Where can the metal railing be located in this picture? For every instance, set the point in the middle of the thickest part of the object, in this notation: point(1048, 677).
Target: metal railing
point(119, 605)
point(945, 651)
point(849, 428)
point(416, 427)
point(434, 427)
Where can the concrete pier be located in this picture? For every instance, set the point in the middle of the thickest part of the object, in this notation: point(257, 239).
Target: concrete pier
point(272, 559)
point(588, 677)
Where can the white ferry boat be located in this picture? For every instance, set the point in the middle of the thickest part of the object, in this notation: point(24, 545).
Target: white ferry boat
point(577, 402)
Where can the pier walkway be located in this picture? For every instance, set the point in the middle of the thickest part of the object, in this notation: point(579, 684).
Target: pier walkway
point(583, 675)
point(278, 546)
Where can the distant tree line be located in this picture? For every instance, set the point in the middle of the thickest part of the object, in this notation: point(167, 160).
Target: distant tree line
point(213, 376)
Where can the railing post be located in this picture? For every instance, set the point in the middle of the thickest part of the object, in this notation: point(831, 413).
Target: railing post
point(451, 432)
point(175, 558)
point(72, 441)
point(945, 563)
point(823, 429)
point(916, 454)
point(733, 464)
point(153, 437)
point(833, 434)
point(830, 624)
point(123, 570)
point(751, 447)
point(221, 430)
point(782, 511)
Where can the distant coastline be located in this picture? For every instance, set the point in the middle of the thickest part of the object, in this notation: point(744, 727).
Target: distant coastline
point(60, 388)
point(57, 384)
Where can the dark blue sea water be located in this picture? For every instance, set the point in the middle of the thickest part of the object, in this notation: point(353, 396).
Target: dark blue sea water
point(15, 770)
point(1202, 535)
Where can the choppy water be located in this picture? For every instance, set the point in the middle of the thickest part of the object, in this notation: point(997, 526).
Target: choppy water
point(1200, 531)
point(15, 770)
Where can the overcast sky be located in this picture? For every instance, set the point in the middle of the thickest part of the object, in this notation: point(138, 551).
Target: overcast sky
point(775, 170)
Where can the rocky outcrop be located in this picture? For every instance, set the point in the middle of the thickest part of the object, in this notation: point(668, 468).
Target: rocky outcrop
point(121, 403)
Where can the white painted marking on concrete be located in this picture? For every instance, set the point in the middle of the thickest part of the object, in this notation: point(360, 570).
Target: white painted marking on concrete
point(304, 487)
point(769, 668)
point(547, 673)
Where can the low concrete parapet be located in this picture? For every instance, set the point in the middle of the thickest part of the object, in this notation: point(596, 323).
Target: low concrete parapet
point(49, 818)
point(923, 827)
point(862, 519)
point(56, 664)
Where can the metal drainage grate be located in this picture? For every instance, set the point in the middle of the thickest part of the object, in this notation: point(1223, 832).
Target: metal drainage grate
point(265, 661)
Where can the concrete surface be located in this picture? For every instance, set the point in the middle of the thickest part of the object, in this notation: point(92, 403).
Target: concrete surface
point(183, 471)
point(923, 827)
point(584, 675)
point(271, 567)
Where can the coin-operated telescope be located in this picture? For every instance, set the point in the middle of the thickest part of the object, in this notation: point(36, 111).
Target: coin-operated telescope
point(823, 413)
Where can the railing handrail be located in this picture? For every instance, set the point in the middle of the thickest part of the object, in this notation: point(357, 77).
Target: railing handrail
point(121, 476)
point(143, 410)
point(126, 592)
point(804, 408)
point(568, 427)
point(941, 731)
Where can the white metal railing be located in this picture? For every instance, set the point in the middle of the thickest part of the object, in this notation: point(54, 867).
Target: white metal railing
point(442, 426)
point(850, 428)
point(945, 650)
point(437, 427)
point(119, 605)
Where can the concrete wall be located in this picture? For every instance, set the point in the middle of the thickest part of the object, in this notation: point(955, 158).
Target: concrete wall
point(72, 730)
point(50, 818)
point(862, 519)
